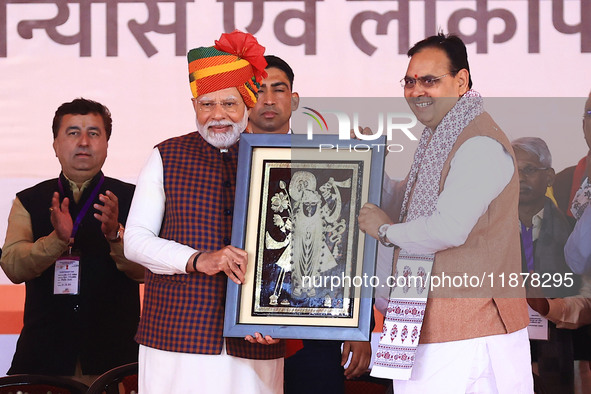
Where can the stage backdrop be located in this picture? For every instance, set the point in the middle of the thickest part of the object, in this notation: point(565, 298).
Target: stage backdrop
point(130, 55)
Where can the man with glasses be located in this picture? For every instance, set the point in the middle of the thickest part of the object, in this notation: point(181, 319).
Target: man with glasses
point(458, 218)
point(544, 231)
point(180, 227)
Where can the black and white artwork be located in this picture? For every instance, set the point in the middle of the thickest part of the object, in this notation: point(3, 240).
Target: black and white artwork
point(295, 215)
point(307, 238)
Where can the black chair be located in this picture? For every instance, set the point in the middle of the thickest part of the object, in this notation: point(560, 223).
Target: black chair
point(40, 384)
point(119, 380)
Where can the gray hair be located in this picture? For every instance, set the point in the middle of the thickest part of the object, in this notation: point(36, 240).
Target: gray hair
point(536, 146)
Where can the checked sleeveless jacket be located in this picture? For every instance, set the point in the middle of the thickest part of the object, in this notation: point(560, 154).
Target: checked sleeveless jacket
point(184, 313)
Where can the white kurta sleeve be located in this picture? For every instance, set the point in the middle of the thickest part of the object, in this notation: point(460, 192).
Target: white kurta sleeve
point(479, 171)
point(142, 243)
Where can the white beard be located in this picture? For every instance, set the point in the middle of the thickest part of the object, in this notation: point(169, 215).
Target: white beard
point(223, 140)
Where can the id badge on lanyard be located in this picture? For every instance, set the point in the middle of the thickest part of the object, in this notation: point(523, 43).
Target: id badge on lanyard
point(66, 279)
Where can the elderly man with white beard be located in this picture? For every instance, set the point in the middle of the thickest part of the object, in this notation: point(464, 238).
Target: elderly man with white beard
point(179, 228)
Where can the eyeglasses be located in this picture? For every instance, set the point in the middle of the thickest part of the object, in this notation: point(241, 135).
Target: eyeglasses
point(587, 114)
point(229, 106)
point(427, 81)
point(529, 171)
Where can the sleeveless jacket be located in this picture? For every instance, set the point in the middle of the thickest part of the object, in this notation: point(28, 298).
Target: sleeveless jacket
point(185, 312)
point(96, 326)
point(493, 249)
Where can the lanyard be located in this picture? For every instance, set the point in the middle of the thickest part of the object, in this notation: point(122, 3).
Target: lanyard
point(528, 246)
point(87, 204)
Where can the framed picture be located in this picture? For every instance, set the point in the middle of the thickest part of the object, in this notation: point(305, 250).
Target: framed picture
point(295, 213)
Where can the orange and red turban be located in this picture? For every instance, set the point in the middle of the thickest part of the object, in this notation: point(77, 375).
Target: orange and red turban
point(236, 60)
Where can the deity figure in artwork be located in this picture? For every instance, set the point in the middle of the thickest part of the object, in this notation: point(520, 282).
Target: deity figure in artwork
point(310, 216)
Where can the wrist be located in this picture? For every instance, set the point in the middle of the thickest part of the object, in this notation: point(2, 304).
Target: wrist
point(58, 242)
point(62, 238)
point(116, 236)
point(195, 260)
point(383, 235)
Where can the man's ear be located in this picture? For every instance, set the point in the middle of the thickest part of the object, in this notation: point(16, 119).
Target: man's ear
point(551, 176)
point(463, 78)
point(295, 101)
point(194, 102)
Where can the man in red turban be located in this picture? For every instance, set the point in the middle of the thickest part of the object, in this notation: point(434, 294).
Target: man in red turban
point(180, 227)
